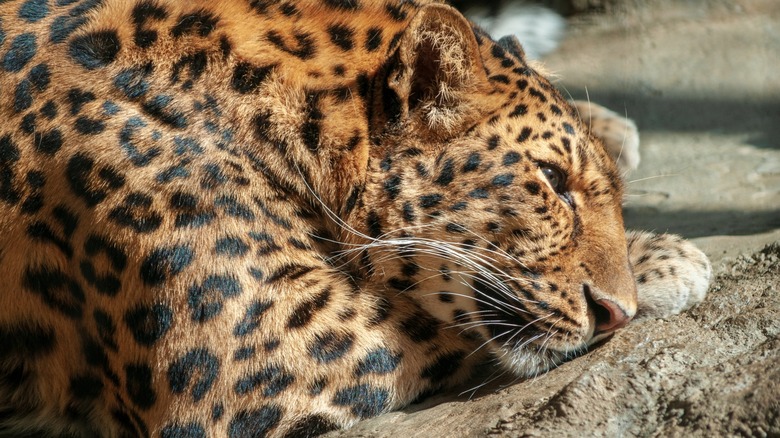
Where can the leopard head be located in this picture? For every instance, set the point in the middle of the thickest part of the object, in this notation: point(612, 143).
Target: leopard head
point(488, 201)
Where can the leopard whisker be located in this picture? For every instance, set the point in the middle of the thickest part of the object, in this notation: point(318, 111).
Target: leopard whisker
point(652, 177)
point(481, 321)
point(467, 297)
point(487, 342)
point(500, 251)
point(516, 349)
point(544, 348)
point(464, 258)
point(381, 240)
point(508, 341)
point(623, 142)
point(462, 273)
point(525, 344)
point(447, 251)
point(503, 289)
point(495, 303)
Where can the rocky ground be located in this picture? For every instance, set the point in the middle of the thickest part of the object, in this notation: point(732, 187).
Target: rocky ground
point(701, 79)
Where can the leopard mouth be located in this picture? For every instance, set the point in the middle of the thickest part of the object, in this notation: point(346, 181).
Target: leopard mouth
point(522, 337)
point(522, 323)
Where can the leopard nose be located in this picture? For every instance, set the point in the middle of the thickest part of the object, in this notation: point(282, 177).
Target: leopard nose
point(609, 315)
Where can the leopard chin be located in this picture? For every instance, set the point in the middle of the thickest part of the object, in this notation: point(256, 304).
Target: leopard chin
point(515, 336)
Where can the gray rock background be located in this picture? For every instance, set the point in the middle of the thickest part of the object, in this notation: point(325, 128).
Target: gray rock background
point(702, 80)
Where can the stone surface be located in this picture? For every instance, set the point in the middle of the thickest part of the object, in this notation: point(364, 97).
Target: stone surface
point(700, 79)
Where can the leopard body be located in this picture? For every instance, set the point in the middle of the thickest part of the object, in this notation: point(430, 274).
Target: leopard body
point(251, 218)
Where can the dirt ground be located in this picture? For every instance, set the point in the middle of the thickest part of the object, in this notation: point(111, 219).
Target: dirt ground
point(701, 80)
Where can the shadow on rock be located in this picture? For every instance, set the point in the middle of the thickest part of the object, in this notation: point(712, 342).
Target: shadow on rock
point(692, 224)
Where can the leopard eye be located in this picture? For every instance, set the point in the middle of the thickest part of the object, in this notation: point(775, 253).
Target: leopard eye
point(555, 177)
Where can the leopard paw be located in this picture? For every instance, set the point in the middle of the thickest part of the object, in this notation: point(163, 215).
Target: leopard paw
point(672, 275)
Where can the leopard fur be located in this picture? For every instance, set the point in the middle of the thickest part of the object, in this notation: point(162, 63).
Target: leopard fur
point(270, 218)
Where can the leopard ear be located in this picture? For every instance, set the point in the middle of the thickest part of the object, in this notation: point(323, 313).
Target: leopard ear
point(511, 44)
point(437, 73)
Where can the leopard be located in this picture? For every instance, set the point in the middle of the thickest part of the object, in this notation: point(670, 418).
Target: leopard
point(275, 218)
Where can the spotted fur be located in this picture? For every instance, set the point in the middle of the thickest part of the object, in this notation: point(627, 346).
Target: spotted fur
point(270, 218)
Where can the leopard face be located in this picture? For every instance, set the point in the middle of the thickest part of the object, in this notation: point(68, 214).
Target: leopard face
point(507, 227)
point(278, 218)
